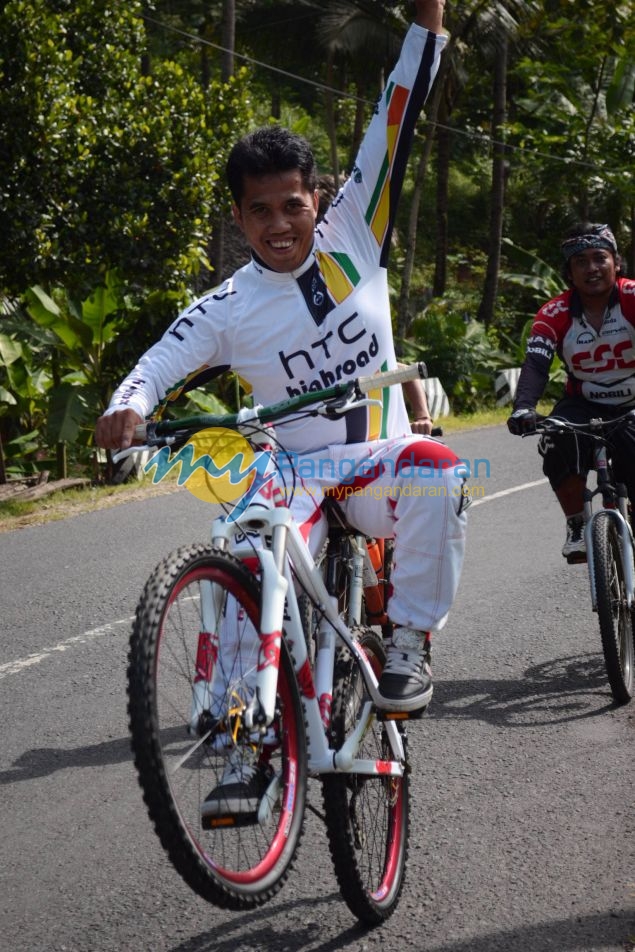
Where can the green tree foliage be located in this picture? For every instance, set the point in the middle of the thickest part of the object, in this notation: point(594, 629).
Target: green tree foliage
point(574, 117)
point(57, 351)
point(109, 160)
point(115, 127)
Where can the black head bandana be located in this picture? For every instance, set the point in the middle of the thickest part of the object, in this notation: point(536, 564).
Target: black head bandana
point(598, 236)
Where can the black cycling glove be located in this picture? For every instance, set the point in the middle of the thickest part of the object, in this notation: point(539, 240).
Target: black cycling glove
point(521, 422)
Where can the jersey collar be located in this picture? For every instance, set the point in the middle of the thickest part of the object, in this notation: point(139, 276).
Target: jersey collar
point(281, 276)
point(577, 311)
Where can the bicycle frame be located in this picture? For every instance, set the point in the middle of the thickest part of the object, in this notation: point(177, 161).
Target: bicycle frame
point(283, 546)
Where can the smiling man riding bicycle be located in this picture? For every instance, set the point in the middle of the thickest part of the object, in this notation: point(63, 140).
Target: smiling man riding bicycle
point(591, 327)
point(310, 309)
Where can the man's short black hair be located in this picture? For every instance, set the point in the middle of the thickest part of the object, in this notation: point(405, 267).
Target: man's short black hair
point(266, 151)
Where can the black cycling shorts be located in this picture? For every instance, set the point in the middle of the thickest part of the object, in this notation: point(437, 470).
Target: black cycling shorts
point(566, 454)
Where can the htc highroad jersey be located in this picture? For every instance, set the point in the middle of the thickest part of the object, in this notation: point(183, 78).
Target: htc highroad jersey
point(329, 321)
point(600, 364)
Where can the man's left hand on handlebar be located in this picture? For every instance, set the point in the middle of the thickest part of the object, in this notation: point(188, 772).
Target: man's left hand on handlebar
point(522, 422)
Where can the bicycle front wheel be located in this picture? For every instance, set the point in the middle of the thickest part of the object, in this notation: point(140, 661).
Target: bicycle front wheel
point(367, 817)
point(616, 619)
point(193, 658)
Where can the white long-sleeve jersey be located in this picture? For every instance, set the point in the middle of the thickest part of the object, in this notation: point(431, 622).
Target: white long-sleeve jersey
point(329, 321)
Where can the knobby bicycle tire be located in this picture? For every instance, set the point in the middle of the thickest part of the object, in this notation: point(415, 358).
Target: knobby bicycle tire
point(182, 741)
point(616, 620)
point(367, 818)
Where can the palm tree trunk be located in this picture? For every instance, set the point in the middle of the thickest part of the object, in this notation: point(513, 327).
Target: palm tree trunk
point(358, 126)
point(403, 306)
point(499, 174)
point(443, 169)
point(3, 471)
point(229, 39)
point(227, 71)
point(330, 119)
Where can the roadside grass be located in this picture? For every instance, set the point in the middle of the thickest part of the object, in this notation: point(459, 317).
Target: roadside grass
point(16, 514)
point(472, 421)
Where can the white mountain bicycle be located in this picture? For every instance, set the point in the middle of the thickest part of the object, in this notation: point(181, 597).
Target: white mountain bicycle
point(292, 691)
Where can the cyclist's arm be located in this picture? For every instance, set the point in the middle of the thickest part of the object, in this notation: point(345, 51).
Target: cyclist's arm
point(360, 219)
point(420, 419)
point(534, 374)
point(193, 350)
point(429, 15)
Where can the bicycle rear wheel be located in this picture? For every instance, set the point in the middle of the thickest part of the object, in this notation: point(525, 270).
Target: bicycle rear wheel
point(616, 620)
point(193, 656)
point(367, 817)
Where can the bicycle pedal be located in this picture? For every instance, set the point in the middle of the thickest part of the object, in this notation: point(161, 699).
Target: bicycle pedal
point(229, 820)
point(401, 715)
point(578, 558)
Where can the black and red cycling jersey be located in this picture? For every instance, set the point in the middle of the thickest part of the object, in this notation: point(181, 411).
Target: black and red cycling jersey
point(600, 365)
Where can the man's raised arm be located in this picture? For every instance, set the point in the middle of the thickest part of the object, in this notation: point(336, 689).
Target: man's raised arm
point(429, 14)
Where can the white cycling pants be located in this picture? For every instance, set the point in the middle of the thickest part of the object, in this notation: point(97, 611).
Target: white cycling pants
point(410, 489)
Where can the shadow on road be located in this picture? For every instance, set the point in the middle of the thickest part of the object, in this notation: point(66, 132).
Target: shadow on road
point(599, 931)
point(564, 689)
point(43, 761)
point(560, 690)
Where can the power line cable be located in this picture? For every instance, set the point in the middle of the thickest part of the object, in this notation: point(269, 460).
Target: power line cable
point(475, 136)
point(250, 59)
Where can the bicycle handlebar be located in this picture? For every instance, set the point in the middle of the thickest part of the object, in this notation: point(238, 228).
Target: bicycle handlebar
point(331, 395)
point(391, 377)
point(594, 427)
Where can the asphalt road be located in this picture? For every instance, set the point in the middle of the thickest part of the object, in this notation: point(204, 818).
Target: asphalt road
point(522, 801)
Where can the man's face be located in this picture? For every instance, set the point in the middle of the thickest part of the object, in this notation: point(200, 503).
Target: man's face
point(593, 272)
point(277, 217)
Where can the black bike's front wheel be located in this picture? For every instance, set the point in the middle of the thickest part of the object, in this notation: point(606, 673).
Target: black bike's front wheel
point(367, 817)
point(616, 619)
point(193, 657)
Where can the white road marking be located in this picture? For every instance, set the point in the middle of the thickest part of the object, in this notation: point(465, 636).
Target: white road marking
point(508, 492)
point(15, 667)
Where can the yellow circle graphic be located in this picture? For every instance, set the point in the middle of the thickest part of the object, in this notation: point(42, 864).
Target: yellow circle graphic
point(221, 466)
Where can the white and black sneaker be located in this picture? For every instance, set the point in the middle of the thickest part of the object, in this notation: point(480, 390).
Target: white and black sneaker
point(574, 548)
point(406, 681)
point(240, 791)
